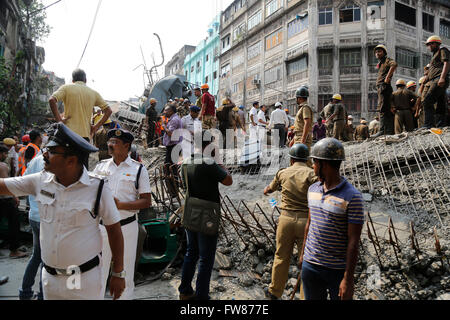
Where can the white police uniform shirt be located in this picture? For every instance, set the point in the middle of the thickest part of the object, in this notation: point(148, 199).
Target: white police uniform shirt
point(122, 181)
point(69, 234)
point(192, 125)
point(261, 116)
point(254, 112)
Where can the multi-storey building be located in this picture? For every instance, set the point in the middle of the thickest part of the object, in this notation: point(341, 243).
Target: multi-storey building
point(202, 65)
point(271, 47)
point(175, 65)
point(10, 23)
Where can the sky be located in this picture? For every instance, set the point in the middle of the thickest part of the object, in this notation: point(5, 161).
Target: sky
point(121, 28)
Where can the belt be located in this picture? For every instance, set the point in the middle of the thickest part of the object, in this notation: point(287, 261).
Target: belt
point(125, 221)
point(279, 124)
point(261, 125)
point(83, 268)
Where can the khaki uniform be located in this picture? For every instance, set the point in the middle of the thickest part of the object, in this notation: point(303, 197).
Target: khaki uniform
point(182, 111)
point(208, 122)
point(349, 131)
point(327, 112)
point(433, 94)
point(339, 121)
point(294, 182)
point(304, 112)
point(401, 102)
point(362, 132)
point(100, 141)
point(384, 96)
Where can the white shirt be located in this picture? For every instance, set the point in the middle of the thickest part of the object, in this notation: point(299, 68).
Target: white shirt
point(191, 124)
point(69, 235)
point(254, 112)
point(14, 155)
point(279, 116)
point(122, 181)
point(261, 116)
point(373, 124)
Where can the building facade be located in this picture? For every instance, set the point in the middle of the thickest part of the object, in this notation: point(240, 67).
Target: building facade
point(202, 65)
point(175, 65)
point(10, 40)
point(269, 48)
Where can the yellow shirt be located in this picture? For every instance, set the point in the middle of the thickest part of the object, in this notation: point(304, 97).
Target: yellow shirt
point(79, 102)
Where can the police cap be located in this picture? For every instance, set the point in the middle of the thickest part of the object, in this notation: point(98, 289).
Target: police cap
point(60, 135)
point(121, 134)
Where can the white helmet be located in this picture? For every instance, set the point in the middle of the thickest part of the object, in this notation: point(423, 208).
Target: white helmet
point(278, 104)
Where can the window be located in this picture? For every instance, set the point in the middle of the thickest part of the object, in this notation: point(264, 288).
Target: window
point(325, 16)
point(274, 39)
point(226, 43)
point(238, 31)
point(373, 102)
point(297, 25)
point(272, 7)
point(426, 58)
point(207, 57)
point(444, 29)
point(272, 75)
point(254, 50)
point(405, 58)
point(297, 66)
point(372, 59)
point(225, 70)
point(206, 79)
point(235, 87)
point(198, 64)
point(349, 14)
point(405, 14)
point(192, 69)
point(350, 58)
point(374, 9)
point(324, 99)
point(325, 59)
point(254, 20)
point(428, 22)
point(215, 75)
point(352, 103)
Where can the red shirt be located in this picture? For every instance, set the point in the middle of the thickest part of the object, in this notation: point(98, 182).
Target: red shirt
point(209, 101)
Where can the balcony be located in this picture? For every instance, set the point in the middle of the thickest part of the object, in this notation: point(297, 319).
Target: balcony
point(350, 70)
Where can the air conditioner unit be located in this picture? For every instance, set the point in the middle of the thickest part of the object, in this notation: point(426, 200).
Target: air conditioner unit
point(256, 81)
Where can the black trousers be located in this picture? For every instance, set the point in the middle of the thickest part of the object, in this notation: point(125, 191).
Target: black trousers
point(151, 143)
point(281, 134)
point(9, 209)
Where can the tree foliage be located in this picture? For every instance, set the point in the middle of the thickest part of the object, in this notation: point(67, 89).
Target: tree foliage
point(10, 102)
point(39, 29)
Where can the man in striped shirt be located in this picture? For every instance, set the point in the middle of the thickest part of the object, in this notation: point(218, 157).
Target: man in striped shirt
point(333, 230)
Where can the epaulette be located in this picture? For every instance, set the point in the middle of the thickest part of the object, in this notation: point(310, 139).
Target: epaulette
point(97, 176)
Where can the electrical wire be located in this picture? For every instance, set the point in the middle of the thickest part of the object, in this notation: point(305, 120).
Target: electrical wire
point(36, 11)
point(90, 33)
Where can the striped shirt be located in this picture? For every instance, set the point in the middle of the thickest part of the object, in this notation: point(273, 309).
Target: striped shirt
point(330, 214)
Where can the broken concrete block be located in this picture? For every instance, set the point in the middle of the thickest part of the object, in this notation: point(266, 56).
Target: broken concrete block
point(222, 262)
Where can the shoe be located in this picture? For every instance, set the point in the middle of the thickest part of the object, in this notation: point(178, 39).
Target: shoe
point(187, 296)
point(3, 280)
point(269, 295)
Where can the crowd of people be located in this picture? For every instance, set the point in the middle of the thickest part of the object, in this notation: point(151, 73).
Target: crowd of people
point(84, 223)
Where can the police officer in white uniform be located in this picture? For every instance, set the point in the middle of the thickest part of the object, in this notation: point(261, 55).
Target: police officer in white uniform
point(122, 172)
point(192, 124)
point(71, 203)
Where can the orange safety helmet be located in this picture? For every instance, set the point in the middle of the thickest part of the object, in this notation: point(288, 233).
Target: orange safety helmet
point(26, 138)
point(205, 86)
point(400, 82)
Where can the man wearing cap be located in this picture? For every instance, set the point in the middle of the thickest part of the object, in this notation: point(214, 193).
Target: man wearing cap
point(338, 118)
point(11, 159)
point(303, 119)
point(294, 183)
point(225, 117)
point(71, 203)
point(333, 230)
point(130, 186)
point(150, 121)
point(262, 123)
point(402, 102)
point(386, 67)
point(436, 83)
point(192, 124)
point(362, 131)
point(208, 110)
point(173, 124)
point(101, 139)
point(280, 122)
point(374, 126)
point(349, 129)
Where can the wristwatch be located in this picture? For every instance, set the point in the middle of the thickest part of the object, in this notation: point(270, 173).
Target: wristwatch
point(119, 274)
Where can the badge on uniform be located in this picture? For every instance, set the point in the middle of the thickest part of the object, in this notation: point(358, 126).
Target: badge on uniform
point(48, 194)
point(118, 133)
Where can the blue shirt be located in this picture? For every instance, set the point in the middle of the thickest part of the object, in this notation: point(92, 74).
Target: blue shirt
point(36, 165)
point(330, 214)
